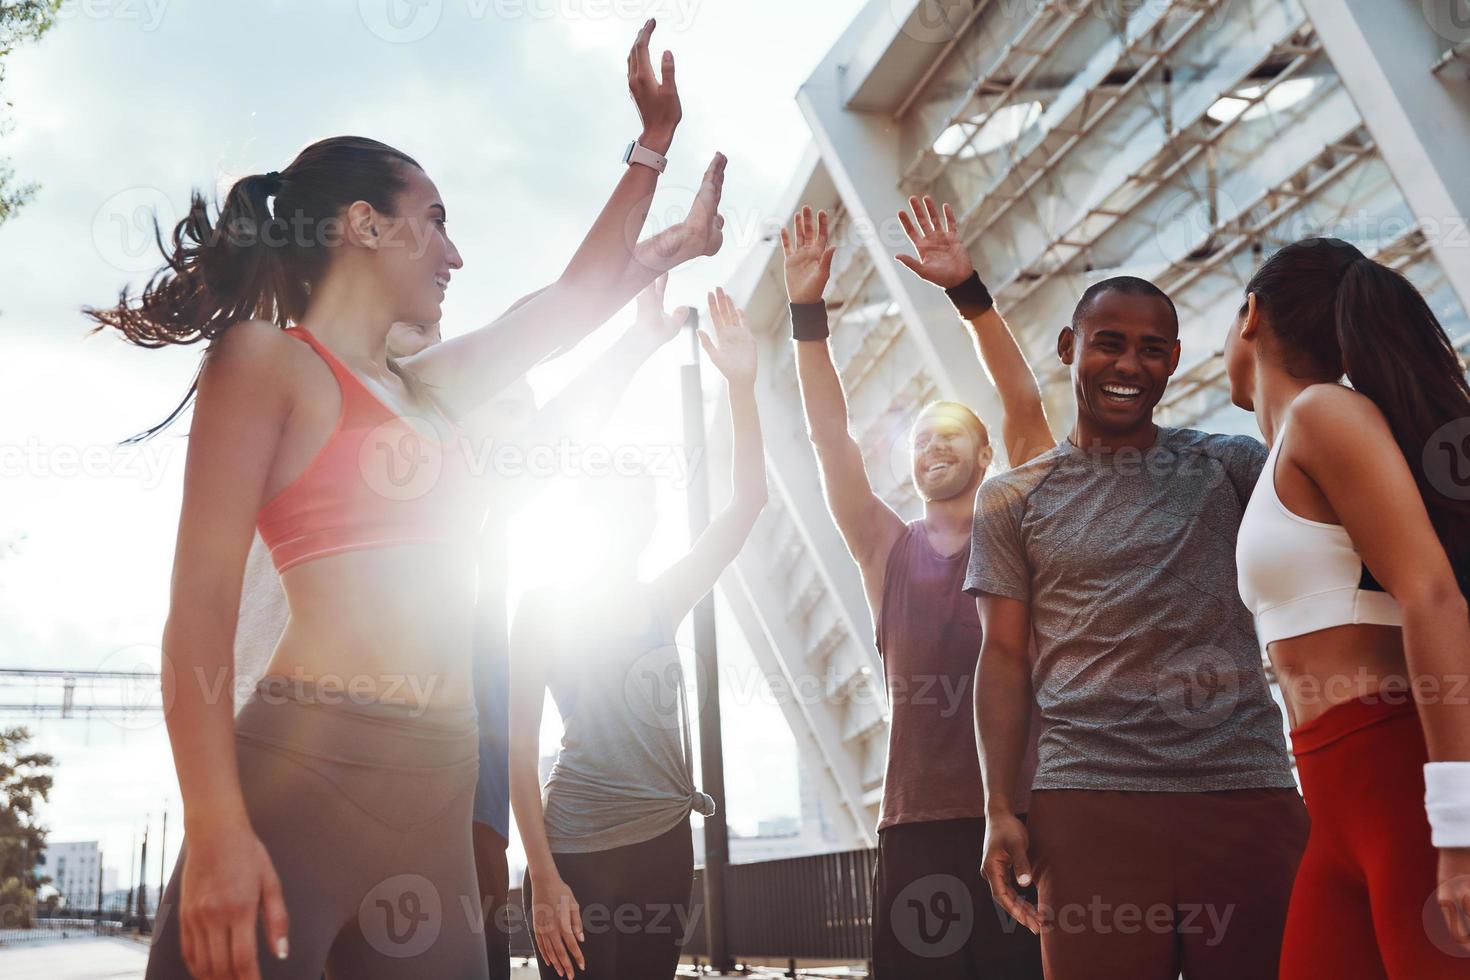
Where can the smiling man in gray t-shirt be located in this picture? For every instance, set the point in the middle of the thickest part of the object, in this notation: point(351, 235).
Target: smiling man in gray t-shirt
point(1165, 826)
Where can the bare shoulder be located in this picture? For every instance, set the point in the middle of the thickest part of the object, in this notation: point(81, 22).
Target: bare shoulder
point(255, 348)
point(1334, 413)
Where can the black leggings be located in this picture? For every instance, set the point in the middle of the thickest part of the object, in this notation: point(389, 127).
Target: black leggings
point(364, 809)
point(635, 906)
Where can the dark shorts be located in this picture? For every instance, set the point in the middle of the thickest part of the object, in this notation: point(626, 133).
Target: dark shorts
point(1143, 885)
point(933, 917)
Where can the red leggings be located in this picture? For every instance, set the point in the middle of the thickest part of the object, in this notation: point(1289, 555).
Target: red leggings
point(1363, 905)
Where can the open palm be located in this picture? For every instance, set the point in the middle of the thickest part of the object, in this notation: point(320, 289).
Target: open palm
point(732, 348)
point(943, 258)
point(808, 256)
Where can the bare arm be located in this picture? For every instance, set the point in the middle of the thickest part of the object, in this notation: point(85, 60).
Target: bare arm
point(241, 408)
point(944, 261)
point(581, 408)
point(1343, 443)
point(1002, 722)
point(557, 917)
point(601, 276)
point(869, 527)
point(732, 349)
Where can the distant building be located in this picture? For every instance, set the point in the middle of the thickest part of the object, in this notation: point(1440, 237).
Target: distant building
point(74, 867)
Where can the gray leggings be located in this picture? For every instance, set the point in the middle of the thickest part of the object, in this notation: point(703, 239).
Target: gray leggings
point(365, 810)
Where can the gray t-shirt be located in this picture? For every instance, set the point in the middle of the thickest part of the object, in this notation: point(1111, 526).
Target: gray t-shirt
point(622, 775)
point(1147, 671)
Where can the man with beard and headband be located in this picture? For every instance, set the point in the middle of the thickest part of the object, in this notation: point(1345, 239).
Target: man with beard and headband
point(1165, 827)
point(931, 824)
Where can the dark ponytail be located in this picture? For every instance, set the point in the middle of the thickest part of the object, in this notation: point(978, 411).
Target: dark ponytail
point(254, 261)
point(1335, 312)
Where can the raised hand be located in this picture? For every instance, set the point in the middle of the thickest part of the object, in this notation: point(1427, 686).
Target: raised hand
point(702, 231)
point(704, 224)
point(659, 327)
point(943, 258)
point(808, 256)
point(657, 101)
point(732, 349)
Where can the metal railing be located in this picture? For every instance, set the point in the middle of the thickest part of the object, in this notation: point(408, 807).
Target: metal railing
point(796, 911)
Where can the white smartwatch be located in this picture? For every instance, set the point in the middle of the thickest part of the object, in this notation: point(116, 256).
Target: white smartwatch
point(637, 153)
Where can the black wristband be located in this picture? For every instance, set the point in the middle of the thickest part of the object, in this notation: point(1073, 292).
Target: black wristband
point(809, 321)
point(970, 297)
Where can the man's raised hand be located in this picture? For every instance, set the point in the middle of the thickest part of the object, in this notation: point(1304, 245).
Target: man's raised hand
point(943, 258)
point(657, 98)
point(808, 256)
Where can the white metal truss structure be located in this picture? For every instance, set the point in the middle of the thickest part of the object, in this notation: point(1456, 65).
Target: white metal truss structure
point(1178, 140)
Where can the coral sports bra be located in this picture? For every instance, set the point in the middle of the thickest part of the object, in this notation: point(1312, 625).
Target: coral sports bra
point(1298, 576)
point(376, 481)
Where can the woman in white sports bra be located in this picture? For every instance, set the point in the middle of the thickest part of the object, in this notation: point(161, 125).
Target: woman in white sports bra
point(1342, 560)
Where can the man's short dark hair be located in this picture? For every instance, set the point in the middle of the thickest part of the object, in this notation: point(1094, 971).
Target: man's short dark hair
point(1131, 285)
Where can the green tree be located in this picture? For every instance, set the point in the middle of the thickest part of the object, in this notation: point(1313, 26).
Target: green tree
point(20, 21)
point(25, 779)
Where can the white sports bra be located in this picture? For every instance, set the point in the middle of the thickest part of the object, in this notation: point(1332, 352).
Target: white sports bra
point(1298, 576)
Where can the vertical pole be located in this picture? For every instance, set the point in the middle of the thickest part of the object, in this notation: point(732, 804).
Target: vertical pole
point(143, 927)
point(712, 769)
point(132, 871)
point(162, 854)
point(97, 920)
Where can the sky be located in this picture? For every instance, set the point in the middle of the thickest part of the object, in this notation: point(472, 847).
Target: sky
point(518, 111)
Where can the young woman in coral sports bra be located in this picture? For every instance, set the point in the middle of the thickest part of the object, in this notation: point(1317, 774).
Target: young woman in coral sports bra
point(1353, 554)
point(329, 826)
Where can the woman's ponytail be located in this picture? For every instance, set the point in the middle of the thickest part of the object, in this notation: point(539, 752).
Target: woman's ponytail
point(258, 258)
point(1337, 313)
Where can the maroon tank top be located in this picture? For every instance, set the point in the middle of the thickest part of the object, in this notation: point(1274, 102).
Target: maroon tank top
point(928, 634)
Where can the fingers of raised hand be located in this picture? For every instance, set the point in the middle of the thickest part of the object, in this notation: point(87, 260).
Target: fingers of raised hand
point(921, 216)
point(931, 212)
point(822, 229)
point(910, 228)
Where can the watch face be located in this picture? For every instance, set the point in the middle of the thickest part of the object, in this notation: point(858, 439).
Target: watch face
point(628, 153)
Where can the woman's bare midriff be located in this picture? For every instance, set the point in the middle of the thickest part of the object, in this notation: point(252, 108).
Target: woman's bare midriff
point(386, 623)
point(1333, 666)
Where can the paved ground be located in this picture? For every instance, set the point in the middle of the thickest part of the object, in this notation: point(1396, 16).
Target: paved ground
point(80, 958)
point(92, 958)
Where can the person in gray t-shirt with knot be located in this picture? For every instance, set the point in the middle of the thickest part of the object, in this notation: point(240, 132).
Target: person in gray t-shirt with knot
point(1165, 826)
point(609, 842)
